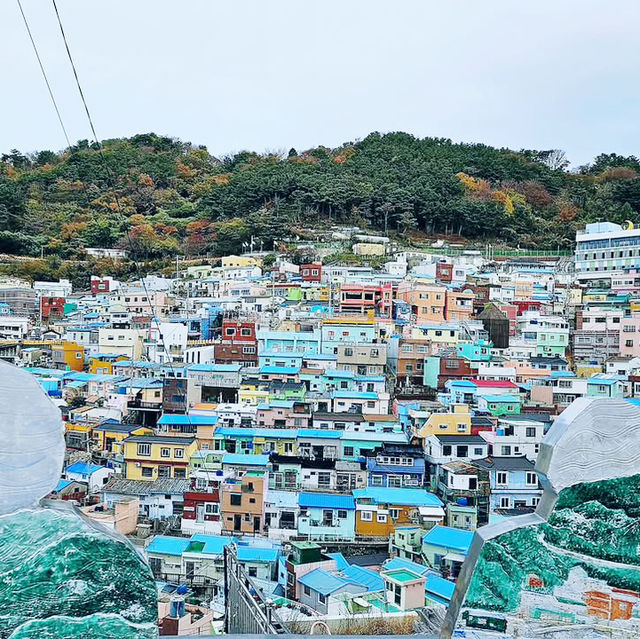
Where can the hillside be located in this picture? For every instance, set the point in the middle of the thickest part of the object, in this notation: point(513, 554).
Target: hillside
point(175, 198)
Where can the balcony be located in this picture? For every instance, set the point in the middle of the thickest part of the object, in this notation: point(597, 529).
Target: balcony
point(140, 405)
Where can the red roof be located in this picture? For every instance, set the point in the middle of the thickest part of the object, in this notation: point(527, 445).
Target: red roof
point(494, 383)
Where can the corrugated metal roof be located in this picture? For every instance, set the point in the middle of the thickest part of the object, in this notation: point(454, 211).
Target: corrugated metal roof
point(326, 500)
point(251, 554)
point(322, 581)
point(162, 545)
point(397, 563)
point(398, 496)
point(245, 460)
point(371, 580)
point(185, 420)
point(447, 537)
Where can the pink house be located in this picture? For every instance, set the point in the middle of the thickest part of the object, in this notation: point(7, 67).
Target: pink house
point(630, 334)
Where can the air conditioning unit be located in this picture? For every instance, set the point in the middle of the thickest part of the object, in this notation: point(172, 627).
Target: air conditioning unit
point(412, 482)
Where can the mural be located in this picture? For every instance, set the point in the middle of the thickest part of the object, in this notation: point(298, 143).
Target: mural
point(572, 569)
point(61, 575)
point(580, 567)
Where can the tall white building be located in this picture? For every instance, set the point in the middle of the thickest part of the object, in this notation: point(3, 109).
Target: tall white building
point(608, 254)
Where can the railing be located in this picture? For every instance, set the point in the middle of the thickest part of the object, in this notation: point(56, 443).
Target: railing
point(246, 609)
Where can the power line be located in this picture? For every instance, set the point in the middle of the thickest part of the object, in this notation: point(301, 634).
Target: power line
point(44, 73)
point(111, 174)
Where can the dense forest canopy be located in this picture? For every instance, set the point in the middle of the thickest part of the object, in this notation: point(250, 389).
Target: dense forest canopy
point(158, 196)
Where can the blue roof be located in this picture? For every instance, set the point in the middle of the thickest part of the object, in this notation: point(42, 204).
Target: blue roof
point(62, 484)
point(265, 555)
point(322, 581)
point(448, 537)
point(213, 544)
point(215, 368)
point(602, 381)
point(143, 382)
point(504, 399)
point(341, 562)
point(280, 370)
point(398, 496)
point(162, 545)
point(338, 373)
point(397, 563)
point(326, 500)
point(371, 580)
point(320, 433)
point(345, 394)
point(276, 433)
point(245, 460)
point(185, 420)
point(83, 468)
point(562, 374)
point(440, 587)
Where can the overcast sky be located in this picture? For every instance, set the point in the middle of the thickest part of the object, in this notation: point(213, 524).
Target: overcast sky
point(274, 74)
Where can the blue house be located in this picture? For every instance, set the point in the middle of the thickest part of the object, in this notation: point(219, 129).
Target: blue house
point(513, 483)
point(396, 469)
point(445, 548)
point(327, 515)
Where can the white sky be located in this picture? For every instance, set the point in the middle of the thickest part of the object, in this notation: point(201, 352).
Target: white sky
point(272, 74)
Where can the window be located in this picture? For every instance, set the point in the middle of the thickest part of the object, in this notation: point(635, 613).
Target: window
point(532, 479)
point(253, 571)
point(211, 509)
point(306, 590)
point(144, 450)
point(147, 471)
point(381, 518)
point(376, 480)
point(502, 479)
point(628, 343)
point(366, 515)
point(477, 451)
point(235, 500)
point(342, 514)
point(531, 431)
point(505, 502)
point(165, 452)
point(394, 512)
point(348, 451)
point(505, 450)
point(322, 598)
point(446, 451)
point(178, 453)
point(462, 428)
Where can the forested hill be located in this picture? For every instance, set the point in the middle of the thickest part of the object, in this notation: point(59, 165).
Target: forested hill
point(175, 197)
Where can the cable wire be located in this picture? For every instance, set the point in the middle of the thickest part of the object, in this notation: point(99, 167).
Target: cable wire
point(111, 174)
point(44, 74)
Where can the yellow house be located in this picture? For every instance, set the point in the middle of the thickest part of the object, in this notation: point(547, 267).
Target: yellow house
point(151, 457)
point(280, 445)
point(455, 422)
point(315, 293)
point(102, 363)
point(109, 436)
point(253, 394)
point(445, 334)
point(239, 260)
point(68, 355)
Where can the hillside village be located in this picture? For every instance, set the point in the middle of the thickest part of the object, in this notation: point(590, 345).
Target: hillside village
point(343, 429)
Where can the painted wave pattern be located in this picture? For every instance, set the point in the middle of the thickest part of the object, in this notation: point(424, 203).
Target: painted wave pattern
point(595, 526)
point(61, 577)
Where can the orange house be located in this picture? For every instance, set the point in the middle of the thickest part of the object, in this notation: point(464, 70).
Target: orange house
point(380, 510)
point(68, 355)
point(615, 603)
point(242, 503)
